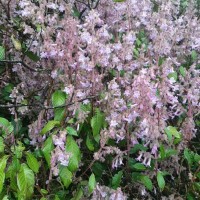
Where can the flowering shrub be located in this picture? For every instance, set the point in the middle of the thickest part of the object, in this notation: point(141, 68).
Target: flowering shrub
point(100, 99)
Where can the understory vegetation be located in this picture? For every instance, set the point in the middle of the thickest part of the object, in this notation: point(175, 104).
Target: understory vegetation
point(99, 99)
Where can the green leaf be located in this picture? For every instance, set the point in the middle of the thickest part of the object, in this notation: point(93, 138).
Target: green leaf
point(147, 182)
point(160, 180)
point(49, 126)
point(173, 131)
point(89, 143)
point(32, 56)
point(6, 125)
point(2, 145)
point(97, 123)
point(138, 147)
point(59, 114)
point(25, 181)
point(136, 53)
point(173, 75)
point(2, 179)
point(188, 156)
point(116, 180)
point(3, 162)
point(162, 152)
point(197, 158)
point(170, 152)
point(65, 176)
point(182, 71)
point(71, 131)
point(43, 191)
point(32, 162)
point(139, 166)
point(48, 147)
point(194, 56)
point(73, 149)
point(2, 53)
point(92, 183)
point(4, 122)
point(197, 186)
point(58, 98)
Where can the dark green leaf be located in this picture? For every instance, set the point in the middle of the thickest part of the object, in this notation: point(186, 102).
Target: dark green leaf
point(65, 176)
point(188, 156)
point(139, 166)
point(116, 180)
point(49, 126)
point(32, 162)
point(48, 147)
point(160, 180)
point(89, 143)
point(73, 148)
point(58, 98)
point(71, 131)
point(147, 182)
point(92, 183)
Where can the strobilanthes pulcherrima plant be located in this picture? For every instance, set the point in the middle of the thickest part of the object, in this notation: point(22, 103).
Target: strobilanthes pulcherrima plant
point(100, 99)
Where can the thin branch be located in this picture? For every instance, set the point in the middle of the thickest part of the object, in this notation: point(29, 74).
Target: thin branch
point(20, 62)
point(45, 107)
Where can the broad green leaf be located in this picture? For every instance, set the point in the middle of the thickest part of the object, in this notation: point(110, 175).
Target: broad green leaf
point(160, 180)
point(116, 180)
point(25, 181)
point(43, 191)
point(32, 162)
point(2, 145)
point(3, 162)
point(58, 98)
point(182, 71)
point(136, 53)
point(173, 131)
point(71, 131)
point(92, 183)
point(73, 149)
point(194, 56)
point(32, 56)
point(197, 158)
point(6, 125)
point(2, 178)
point(48, 147)
point(49, 126)
point(97, 123)
point(65, 176)
point(89, 143)
point(59, 114)
point(139, 166)
point(2, 53)
point(162, 152)
point(147, 182)
point(173, 75)
point(136, 176)
point(4, 122)
point(197, 186)
point(188, 156)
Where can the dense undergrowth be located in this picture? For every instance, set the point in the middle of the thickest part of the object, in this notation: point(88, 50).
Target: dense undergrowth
point(99, 99)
